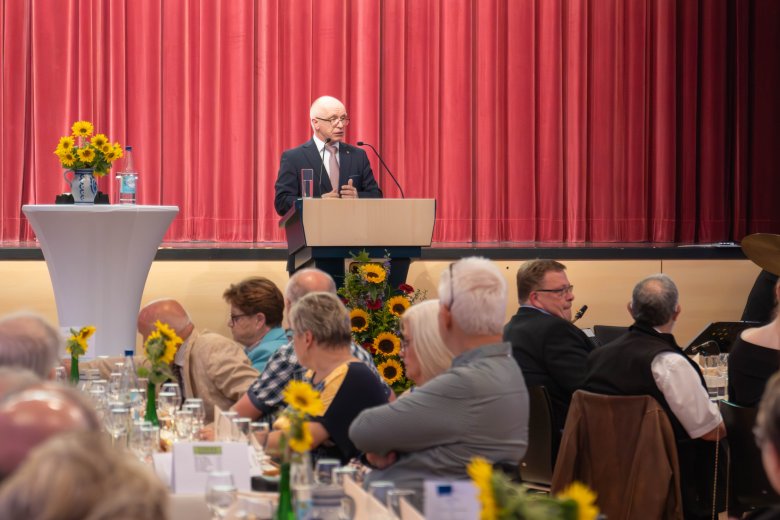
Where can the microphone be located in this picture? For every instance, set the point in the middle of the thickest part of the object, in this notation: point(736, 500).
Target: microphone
point(361, 143)
point(580, 313)
point(709, 347)
point(322, 161)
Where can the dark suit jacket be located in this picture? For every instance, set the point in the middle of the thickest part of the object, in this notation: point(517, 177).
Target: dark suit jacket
point(551, 352)
point(353, 163)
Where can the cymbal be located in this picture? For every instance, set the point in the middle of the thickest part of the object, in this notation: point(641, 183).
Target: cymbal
point(763, 249)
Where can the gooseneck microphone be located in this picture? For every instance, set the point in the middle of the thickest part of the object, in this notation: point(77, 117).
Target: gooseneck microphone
point(362, 143)
point(580, 313)
point(322, 161)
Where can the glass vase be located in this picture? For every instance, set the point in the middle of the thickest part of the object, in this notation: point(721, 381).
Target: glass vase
point(284, 510)
point(74, 370)
point(151, 404)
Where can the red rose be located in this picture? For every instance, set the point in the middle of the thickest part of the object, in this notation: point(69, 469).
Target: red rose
point(374, 305)
point(408, 289)
point(369, 346)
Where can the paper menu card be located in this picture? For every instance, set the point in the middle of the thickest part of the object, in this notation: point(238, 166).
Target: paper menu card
point(193, 461)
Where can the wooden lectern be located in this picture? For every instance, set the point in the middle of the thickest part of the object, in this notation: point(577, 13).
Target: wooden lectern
point(323, 233)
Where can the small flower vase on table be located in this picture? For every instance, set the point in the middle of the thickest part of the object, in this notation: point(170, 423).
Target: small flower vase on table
point(151, 404)
point(284, 510)
point(74, 370)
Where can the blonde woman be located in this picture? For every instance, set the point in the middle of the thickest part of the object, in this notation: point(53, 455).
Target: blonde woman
point(424, 353)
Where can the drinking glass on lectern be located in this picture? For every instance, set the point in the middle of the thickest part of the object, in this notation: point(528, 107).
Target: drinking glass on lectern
point(307, 183)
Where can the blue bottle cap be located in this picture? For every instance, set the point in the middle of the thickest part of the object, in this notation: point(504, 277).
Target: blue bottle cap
point(129, 353)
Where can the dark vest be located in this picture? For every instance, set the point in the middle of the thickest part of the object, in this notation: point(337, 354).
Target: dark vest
point(623, 367)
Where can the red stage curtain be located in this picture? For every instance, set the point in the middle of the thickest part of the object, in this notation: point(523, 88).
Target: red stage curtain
point(527, 120)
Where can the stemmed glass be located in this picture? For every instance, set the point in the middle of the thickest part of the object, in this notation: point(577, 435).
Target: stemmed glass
point(323, 471)
point(175, 389)
point(183, 425)
point(394, 497)
point(377, 499)
point(195, 405)
point(258, 435)
point(168, 402)
point(220, 493)
point(116, 422)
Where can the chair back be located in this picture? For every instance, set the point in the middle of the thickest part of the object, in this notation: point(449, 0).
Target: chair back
point(607, 333)
point(749, 486)
point(537, 467)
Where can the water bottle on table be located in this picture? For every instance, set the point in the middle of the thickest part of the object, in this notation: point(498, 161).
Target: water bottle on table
point(128, 179)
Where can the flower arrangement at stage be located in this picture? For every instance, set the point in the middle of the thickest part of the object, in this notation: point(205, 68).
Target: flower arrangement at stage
point(82, 150)
point(375, 312)
point(160, 346)
point(76, 346)
point(501, 499)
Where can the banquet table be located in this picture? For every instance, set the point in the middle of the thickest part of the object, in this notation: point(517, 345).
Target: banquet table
point(98, 257)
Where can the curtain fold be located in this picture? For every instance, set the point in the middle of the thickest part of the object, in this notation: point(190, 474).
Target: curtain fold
point(527, 120)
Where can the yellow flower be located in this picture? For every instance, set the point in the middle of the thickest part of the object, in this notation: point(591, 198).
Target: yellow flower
point(87, 154)
point(585, 499)
point(303, 443)
point(99, 141)
point(67, 158)
point(118, 150)
point(302, 397)
point(86, 332)
point(359, 320)
point(82, 129)
point(481, 472)
point(66, 143)
point(397, 305)
point(391, 371)
point(169, 353)
point(373, 273)
point(387, 343)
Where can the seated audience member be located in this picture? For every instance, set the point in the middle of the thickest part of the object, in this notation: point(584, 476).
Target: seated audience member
point(550, 350)
point(647, 361)
point(424, 353)
point(207, 365)
point(763, 249)
point(768, 439)
point(256, 311)
point(478, 407)
point(321, 336)
point(29, 341)
point(32, 415)
point(753, 358)
point(264, 397)
point(81, 476)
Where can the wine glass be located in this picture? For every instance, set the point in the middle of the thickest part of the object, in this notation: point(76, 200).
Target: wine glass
point(114, 385)
point(323, 471)
point(394, 497)
point(116, 421)
point(377, 499)
point(183, 425)
point(198, 411)
point(241, 429)
point(168, 402)
point(220, 492)
point(258, 436)
point(174, 388)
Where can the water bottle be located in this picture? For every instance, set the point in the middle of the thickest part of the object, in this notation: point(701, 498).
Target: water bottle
point(128, 179)
point(129, 378)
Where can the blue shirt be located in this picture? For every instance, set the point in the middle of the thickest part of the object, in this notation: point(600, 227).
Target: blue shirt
point(262, 352)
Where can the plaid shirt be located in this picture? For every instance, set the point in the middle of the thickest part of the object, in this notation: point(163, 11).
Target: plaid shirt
point(283, 367)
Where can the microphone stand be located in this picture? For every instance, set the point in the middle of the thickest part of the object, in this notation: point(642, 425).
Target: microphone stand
point(361, 143)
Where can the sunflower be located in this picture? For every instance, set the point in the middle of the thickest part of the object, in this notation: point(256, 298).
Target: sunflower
point(387, 343)
point(481, 472)
point(82, 129)
point(358, 318)
point(585, 499)
point(118, 150)
point(87, 154)
point(302, 397)
point(391, 371)
point(397, 305)
point(77, 342)
point(67, 158)
point(303, 443)
point(99, 141)
point(373, 273)
point(66, 143)
point(86, 332)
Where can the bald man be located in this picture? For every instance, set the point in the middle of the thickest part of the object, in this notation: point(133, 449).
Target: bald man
point(211, 366)
point(32, 415)
point(340, 170)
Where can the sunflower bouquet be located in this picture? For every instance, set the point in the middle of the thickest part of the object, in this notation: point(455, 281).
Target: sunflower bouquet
point(76, 346)
point(375, 312)
point(82, 150)
point(161, 347)
point(501, 499)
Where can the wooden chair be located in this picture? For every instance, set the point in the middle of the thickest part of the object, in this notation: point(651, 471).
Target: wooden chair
point(749, 487)
point(536, 468)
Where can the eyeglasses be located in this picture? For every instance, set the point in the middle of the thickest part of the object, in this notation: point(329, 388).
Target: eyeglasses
point(234, 317)
point(289, 333)
point(560, 292)
point(344, 120)
point(452, 287)
point(404, 343)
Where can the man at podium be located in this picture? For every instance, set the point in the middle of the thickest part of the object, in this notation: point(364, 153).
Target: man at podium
point(340, 170)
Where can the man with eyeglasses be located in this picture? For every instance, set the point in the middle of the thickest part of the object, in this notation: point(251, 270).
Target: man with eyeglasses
point(550, 350)
point(340, 170)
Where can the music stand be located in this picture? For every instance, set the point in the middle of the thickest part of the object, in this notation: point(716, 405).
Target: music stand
point(723, 333)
